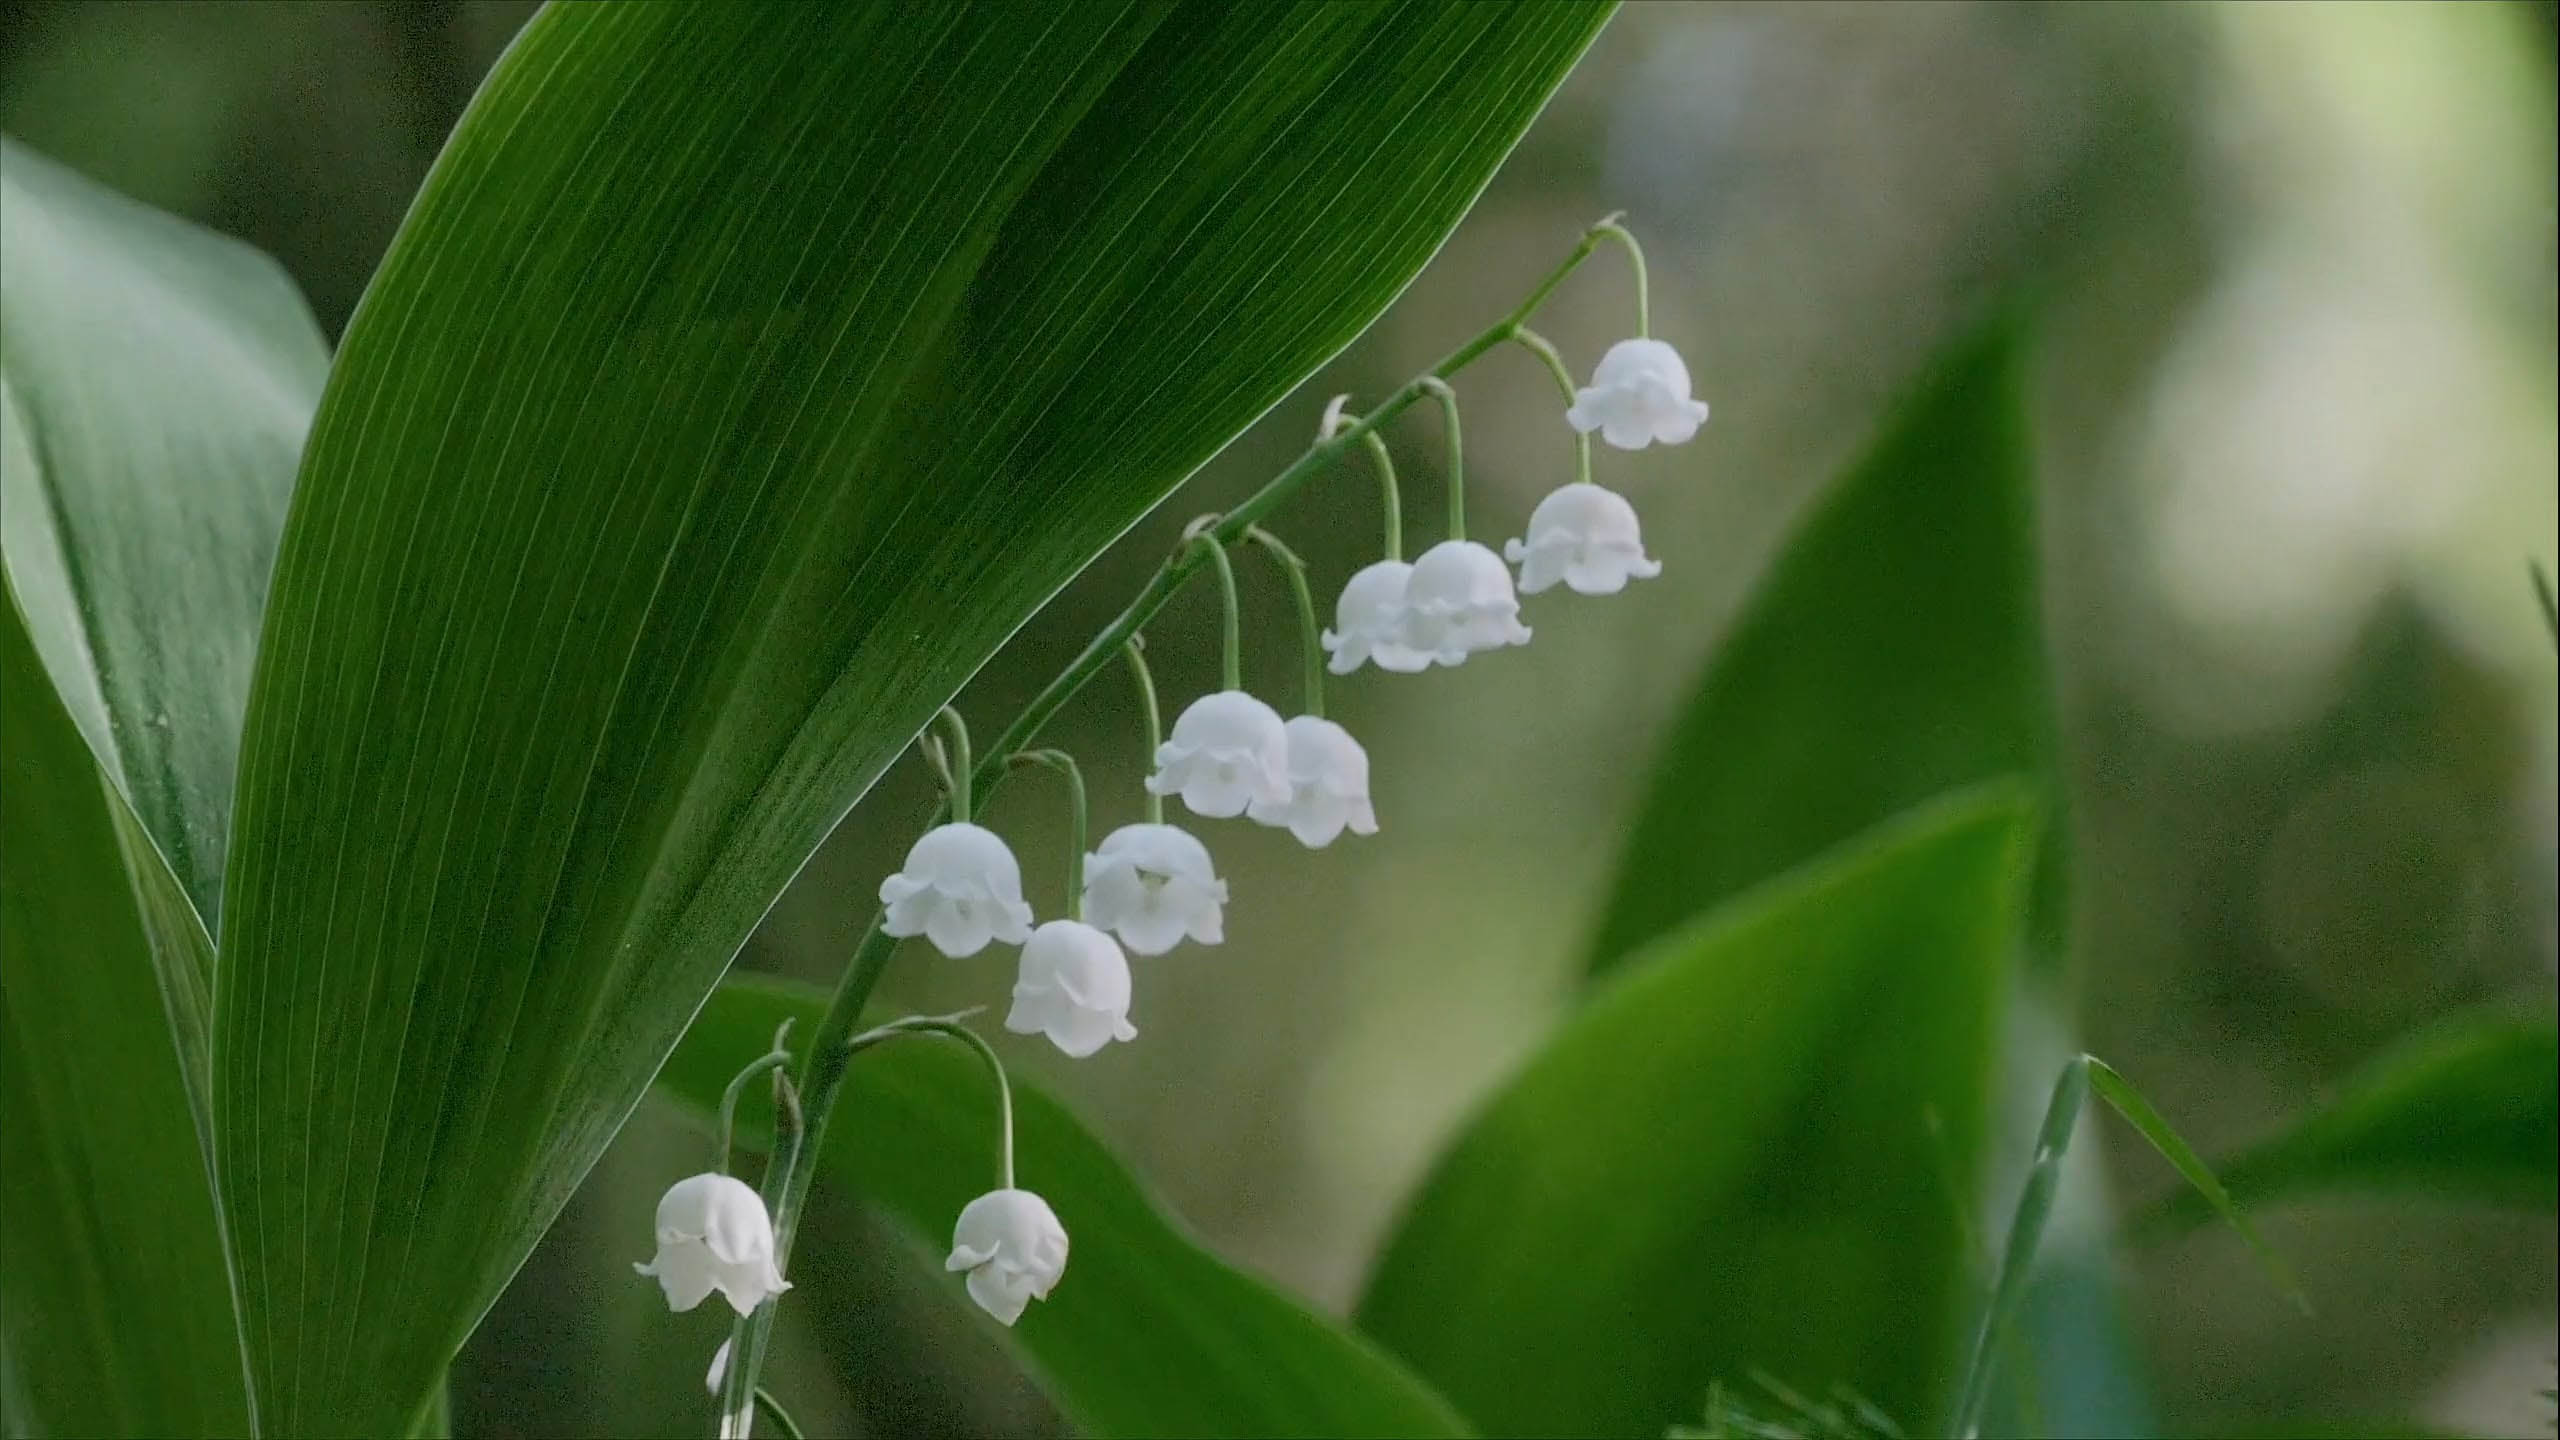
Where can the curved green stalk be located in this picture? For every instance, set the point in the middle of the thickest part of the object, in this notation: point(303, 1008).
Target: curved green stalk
point(1537, 344)
point(1447, 395)
point(1310, 634)
point(1065, 764)
point(1136, 650)
point(774, 1059)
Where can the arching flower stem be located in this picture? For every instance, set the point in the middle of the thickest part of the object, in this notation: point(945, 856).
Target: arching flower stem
point(951, 1026)
point(1065, 764)
point(1309, 630)
point(1390, 502)
point(786, 1184)
point(1538, 345)
point(1609, 228)
point(958, 788)
point(774, 1059)
point(1447, 395)
point(1136, 650)
point(1203, 532)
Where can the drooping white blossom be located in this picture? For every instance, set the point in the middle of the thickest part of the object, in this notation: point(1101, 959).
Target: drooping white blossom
point(1328, 785)
point(1154, 885)
point(1637, 396)
point(1369, 623)
point(960, 888)
point(1586, 537)
point(714, 1234)
point(1227, 751)
point(1460, 601)
point(1014, 1249)
point(1073, 988)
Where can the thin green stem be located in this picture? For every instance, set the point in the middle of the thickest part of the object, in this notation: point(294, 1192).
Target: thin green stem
point(1611, 229)
point(786, 1185)
point(1538, 345)
point(774, 1059)
point(1204, 533)
point(2026, 1232)
point(780, 1417)
point(1447, 395)
point(1310, 634)
point(1136, 650)
point(1065, 764)
point(958, 730)
point(950, 1026)
point(1390, 501)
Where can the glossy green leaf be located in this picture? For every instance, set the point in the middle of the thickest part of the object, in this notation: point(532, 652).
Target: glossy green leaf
point(155, 383)
point(741, 378)
point(2467, 1110)
point(1894, 651)
point(1733, 1158)
point(1149, 1334)
point(115, 1309)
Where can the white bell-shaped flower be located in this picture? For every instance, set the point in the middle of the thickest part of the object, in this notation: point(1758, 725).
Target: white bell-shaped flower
point(1328, 785)
point(1152, 885)
point(1587, 538)
point(1460, 601)
point(714, 1234)
point(1073, 988)
point(1227, 751)
point(1014, 1249)
point(1638, 395)
point(960, 889)
point(1369, 623)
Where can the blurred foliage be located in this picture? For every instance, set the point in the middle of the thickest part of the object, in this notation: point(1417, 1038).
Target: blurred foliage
point(2293, 407)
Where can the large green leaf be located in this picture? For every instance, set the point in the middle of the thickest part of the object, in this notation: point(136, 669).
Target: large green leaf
point(115, 1308)
point(1734, 1159)
point(1894, 651)
point(155, 383)
point(1149, 1334)
point(740, 379)
point(2466, 1110)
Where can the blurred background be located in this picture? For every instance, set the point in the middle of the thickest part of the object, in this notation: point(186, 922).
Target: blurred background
point(2295, 409)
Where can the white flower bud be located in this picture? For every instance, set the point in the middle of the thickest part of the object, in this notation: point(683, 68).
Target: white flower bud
point(1152, 885)
point(1073, 988)
point(1328, 784)
point(960, 889)
point(1227, 751)
point(1638, 395)
point(719, 1369)
point(1369, 623)
point(1014, 1249)
point(714, 1234)
point(1586, 537)
point(1459, 601)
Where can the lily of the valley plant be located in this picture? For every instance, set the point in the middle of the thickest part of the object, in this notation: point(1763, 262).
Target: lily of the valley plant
point(1151, 885)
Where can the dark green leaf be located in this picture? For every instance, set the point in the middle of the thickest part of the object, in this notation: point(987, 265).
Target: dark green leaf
point(1893, 652)
point(1149, 1334)
point(155, 383)
point(115, 1309)
point(2467, 1110)
point(740, 380)
point(1733, 1158)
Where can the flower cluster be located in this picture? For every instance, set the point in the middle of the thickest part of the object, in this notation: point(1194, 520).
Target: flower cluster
point(1150, 886)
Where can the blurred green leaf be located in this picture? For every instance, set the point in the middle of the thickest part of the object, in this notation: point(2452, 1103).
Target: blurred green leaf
point(740, 379)
point(1731, 1159)
point(1894, 651)
point(2466, 1110)
point(155, 381)
point(1149, 1334)
point(115, 1307)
